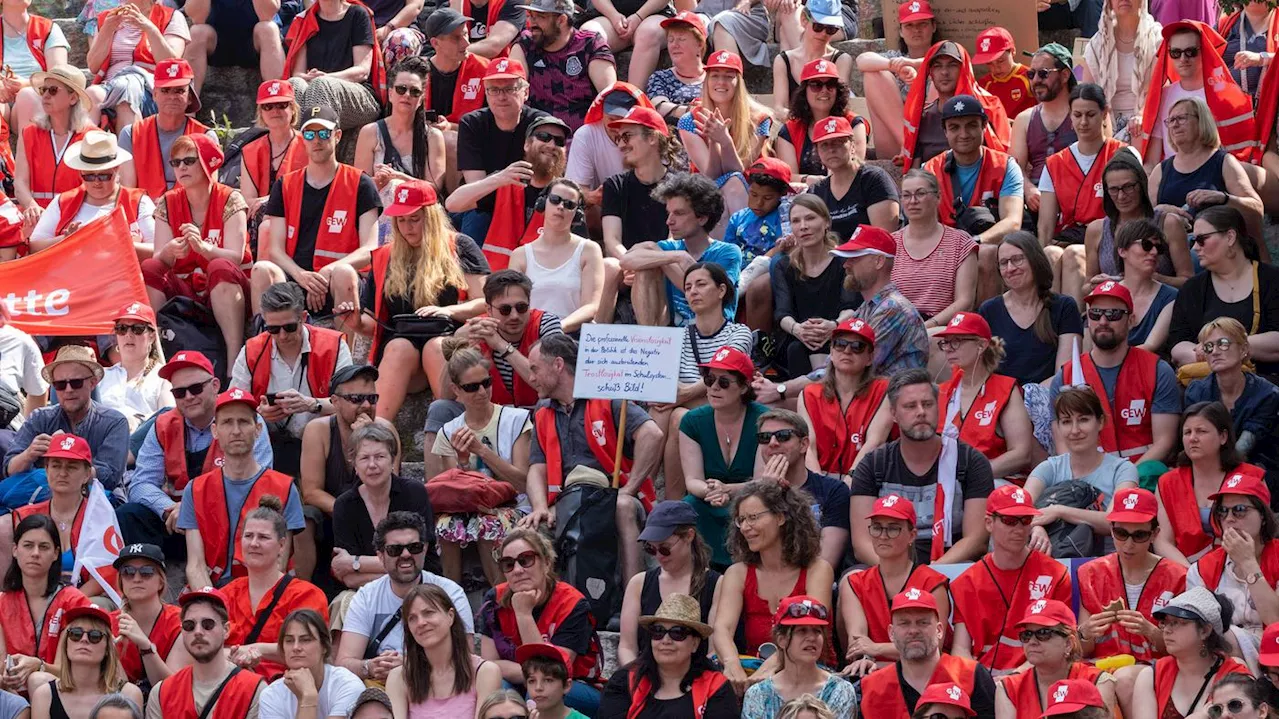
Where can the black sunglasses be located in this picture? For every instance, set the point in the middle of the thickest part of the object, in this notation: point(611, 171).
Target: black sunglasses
point(782, 435)
point(371, 398)
point(289, 327)
point(519, 307)
point(524, 559)
point(470, 387)
point(195, 390)
point(1041, 73)
point(678, 633)
point(1148, 245)
point(1041, 634)
point(1008, 521)
point(144, 572)
point(137, 330)
point(1239, 511)
point(564, 202)
point(62, 384)
point(724, 381)
point(49, 90)
point(395, 550)
point(1178, 53)
point(1201, 238)
point(207, 624)
point(827, 84)
point(1124, 535)
point(825, 29)
point(1114, 314)
point(855, 346)
point(180, 161)
point(96, 176)
point(542, 136)
point(76, 634)
point(410, 91)
point(1234, 706)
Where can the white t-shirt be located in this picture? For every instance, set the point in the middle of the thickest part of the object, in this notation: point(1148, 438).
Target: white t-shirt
point(336, 696)
point(47, 227)
point(1172, 94)
point(375, 603)
point(593, 157)
point(136, 400)
point(20, 362)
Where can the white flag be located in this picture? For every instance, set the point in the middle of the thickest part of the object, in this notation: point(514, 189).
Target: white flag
point(1076, 379)
point(100, 542)
point(949, 458)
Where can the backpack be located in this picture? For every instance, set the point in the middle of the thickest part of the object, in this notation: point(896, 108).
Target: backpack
point(1072, 540)
point(587, 546)
point(185, 324)
point(233, 156)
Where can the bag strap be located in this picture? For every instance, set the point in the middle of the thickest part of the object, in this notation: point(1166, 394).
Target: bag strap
point(213, 698)
point(693, 342)
point(382, 634)
point(261, 621)
point(1257, 302)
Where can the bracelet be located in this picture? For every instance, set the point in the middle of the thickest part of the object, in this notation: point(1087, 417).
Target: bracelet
point(306, 706)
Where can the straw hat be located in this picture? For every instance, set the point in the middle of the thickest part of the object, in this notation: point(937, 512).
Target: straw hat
point(680, 609)
point(67, 75)
point(73, 354)
point(97, 151)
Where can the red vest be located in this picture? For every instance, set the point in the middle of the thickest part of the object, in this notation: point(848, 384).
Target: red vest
point(868, 587)
point(990, 181)
point(171, 433)
point(492, 15)
point(1024, 691)
point(1178, 497)
point(257, 161)
point(990, 602)
point(52, 176)
point(300, 594)
point(798, 131)
point(163, 635)
point(1167, 672)
point(1079, 195)
point(160, 16)
point(562, 602)
point(325, 344)
point(380, 261)
point(995, 135)
point(177, 701)
point(602, 436)
point(523, 395)
point(702, 688)
point(508, 229)
point(339, 232)
point(149, 158)
point(882, 694)
point(29, 510)
point(210, 501)
point(306, 26)
point(38, 29)
point(468, 89)
point(1127, 430)
point(70, 201)
point(1268, 109)
point(1226, 22)
point(839, 435)
point(193, 266)
point(20, 631)
point(1101, 583)
point(1213, 564)
point(980, 427)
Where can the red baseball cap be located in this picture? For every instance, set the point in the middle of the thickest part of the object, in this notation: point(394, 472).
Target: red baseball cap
point(832, 128)
point(801, 611)
point(275, 91)
point(174, 72)
point(1269, 650)
point(914, 598)
point(90, 611)
point(991, 43)
point(891, 506)
point(914, 10)
point(732, 360)
point(689, 19)
point(524, 652)
point(868, 240)
point(69, 446)
point(818, 70)
point(949, 694)
point(1111, 288)
point(235, 395)
point(1071, 695)
point(644, 117)
point(859, 327)
point(209, 153)
point(139, 311)
point(210, 593)
point(771, 167)
point(1135, 505)
point(725, 60)
point(1244, 483)
point(505, 69)
point(1011, 501)
point(966, 324)
point(1048, 613)
point(411, 197)
point(183, 360)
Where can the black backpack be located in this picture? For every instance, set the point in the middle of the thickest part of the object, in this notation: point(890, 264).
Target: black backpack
point(233, 156)
point(1072, 540)
point(587, 546)
point(186, 325)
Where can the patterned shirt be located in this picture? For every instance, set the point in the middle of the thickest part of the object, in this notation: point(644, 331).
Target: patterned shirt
point(901, 340)
point(665, 84)
point(559, 82)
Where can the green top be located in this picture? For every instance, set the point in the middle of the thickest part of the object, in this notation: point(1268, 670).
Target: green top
point(575, 714)
point(699, 424)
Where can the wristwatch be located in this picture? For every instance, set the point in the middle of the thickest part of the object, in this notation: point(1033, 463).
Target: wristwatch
point(355, 563)
point(146, 652)
point(318, 408)
point(782, 389)
point(1252, 579)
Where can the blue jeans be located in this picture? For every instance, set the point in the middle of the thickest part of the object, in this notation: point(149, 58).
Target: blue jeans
point(473, 224)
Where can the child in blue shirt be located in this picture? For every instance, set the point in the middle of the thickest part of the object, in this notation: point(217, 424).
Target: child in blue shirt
point(757, 227)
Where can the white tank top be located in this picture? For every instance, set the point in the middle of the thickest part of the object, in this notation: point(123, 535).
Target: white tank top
point(557, 289)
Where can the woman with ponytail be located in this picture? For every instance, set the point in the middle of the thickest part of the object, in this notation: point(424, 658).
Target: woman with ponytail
point(258, 602)
point(402, 146)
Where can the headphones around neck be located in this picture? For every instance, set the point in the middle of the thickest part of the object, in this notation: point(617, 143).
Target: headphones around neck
point(579, 214)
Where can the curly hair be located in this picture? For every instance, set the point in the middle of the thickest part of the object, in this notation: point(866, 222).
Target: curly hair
point(799, 533)
point(704, 197)
point(801, 111)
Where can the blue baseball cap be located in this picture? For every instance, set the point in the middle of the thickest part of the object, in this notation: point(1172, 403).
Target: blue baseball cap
point(825, 12)
point(963, 106)
point(664, 519)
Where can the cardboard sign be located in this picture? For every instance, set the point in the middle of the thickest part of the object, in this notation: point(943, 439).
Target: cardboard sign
point(629, 362)
point(962, 20)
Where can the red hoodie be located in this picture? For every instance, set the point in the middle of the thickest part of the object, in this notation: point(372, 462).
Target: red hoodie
point(996, 135)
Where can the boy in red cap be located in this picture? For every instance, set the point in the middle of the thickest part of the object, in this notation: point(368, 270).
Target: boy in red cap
point(756, 228)
point(150, 140)
point(1007, 78)
point(546, 669)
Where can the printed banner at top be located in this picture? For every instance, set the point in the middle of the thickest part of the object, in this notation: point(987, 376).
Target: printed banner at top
point(962, 20)
point(629, 362)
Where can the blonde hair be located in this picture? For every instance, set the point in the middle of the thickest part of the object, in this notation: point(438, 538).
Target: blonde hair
point(814, 204)
point(993, 355)
point(422, 273)
point(805, 703)
point(1206, 127)
point(112, 676)
point(1228, 326)
point(744, 115)
point(294, 111)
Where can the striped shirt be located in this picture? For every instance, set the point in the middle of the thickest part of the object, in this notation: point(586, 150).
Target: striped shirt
point(730, 334)
point(550, 324)
point(929, 282)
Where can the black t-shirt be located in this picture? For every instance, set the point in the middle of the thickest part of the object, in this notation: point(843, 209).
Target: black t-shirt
point(331, 50)
point(352, 527)
point(1198, 303)
point(871, 185)
point(442, 86)
point(313, 199)
point(982, 701)
point(644, 219)
point(830, 500)
point(471, 259)
point(482, 145)
point(807, 159)
point(1035, 361)
point(511, 12)
point(615, 702)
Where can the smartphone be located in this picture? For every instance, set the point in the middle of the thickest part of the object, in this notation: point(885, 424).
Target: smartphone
point(10, 664)
point(271, 398)
point(433, 116)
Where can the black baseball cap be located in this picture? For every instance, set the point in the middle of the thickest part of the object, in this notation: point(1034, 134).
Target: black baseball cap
point(350, 372)
point(543, 121)
point(664, 519)
point(963, 106)
point(443, 21)
point(149, 552)
point(618, 102)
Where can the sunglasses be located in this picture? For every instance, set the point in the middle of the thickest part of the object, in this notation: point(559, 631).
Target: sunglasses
point(887, 531)
point(825, 29)
point(137, 330)
point(195, 390)
point(289, 327)
point(846, 345)
point(661, 550)
point(310, 135)
point(559, 140)
point(1222, 343)
point(274, 106)
point(50, 90)
point(564, 202)
point(1042, 634)
point(1113, 315)
point(1008, 521)
point(724, 381)
point(802, 610)
point(144, 572)
point(207, 624)
point(1149, 245)
point(180, 161)
point(62, 384)
point(470, 387)
point(1177, 53)
point(410, 91)
point(1042, 73)
point(524, 559)
point(77, 634)
point(677, 633)
point(395, 550)
point(97, 176)
point(1124, 535)
point(1203, 237)
point(782, 435)
point(827, 84)
point(1239, 511)
point(371, 398)
point(1235, 706)
point(519, 307)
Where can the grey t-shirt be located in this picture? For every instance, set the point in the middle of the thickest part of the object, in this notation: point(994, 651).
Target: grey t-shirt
point(11, 705)
point(1106, 478)
point(166, 145)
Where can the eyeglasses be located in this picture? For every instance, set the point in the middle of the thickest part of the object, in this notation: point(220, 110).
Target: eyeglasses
point(724, 381)
point(310, 135)
point(1222, 343)
point(470, 387)
point(289, 327)
point(1008, 521)
point(559, 140)
point(1125, 189)
point(62, 384)
point(1124, 535)
point(948, 345)
point(274, 106)
point(1114, 314)
point(1149, 244)
point(395, 550)
point(519, 307)
point(195, 390)
point(1200, 238)
point(77, 634)
point(410, 91)
point(782, 435)
point(1177, 53)
point(1239, 511)
point(846, 345)
point(744, 519)
point(1233, 707)
point(50, 90)
point(1042, 73)
point(1176, 120)
point(524, 559)
point(138, 330)
point(371, 398)
point(663, 550)
point(917, 196)
point(559, 201)
point(678, 633)
point(146, 572)
point(173, 90)
point(622, 137)
point(180, 161)
point(886, 531)
point(1016, 261)
point(207, 624)
point(97, 176)
point(1042, 634)
point(501, 91)
point(1168, 622)
point(827, 84)
point(804, 610)
point(825, 29)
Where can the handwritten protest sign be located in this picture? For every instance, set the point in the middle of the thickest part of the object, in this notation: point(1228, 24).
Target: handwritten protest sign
point(630, 362)
point(962, 20)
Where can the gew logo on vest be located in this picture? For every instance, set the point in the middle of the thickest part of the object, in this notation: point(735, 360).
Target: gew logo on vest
point(1134, 413)
point(986, 415)
point(338, 222)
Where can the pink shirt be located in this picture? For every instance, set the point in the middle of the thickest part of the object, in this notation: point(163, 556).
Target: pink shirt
point(462, 705)
point(930, 281)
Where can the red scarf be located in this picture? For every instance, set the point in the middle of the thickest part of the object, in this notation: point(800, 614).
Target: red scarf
point(595, 113)
point(306, 26)
point(1226, 22)
point(1268, 108)
point(996, 134)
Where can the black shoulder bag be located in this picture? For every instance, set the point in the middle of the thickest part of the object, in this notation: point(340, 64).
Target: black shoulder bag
point(370, 650)
point(265, 614)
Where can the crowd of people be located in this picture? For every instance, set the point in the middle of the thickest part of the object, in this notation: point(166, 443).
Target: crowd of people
point(996, 439)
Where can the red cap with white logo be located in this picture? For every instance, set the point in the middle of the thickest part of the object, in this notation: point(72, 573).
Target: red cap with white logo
point(644, 117)
point(69, 446)
point(1011, 501)
point(914, 11)
point(868, 240)
point(819, 69)
point(174, 72)
point(235, 395)
point(832, 128)
point(138, 311)
point(209, 153)
point(505, 69)
point(725, 60)
point(1111, 288)
point(891, 506)
point(914, 598)
point(1071, 695)
point(1269, 650)
point(857, 326)
point(411, 197)
point(274, 91)
point(1135, 505)
point(991, 43)
point(1246, 483)
point(1048, 613)
point(966, 324)
point(731, 360)
point(184, 360)
point(948, 694)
